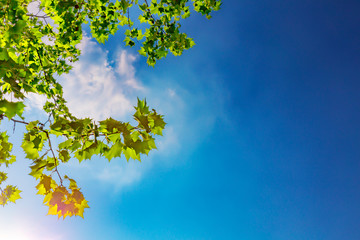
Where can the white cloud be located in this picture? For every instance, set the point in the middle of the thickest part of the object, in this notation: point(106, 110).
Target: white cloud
point(125, 68)
point(35, 101)
point(95, 89)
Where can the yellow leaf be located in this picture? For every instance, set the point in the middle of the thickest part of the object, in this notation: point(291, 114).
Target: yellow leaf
point(77, 196)
point(52, 210)
point(57, 197)
point(3, 199)
point(14, 193)
point(45, 182)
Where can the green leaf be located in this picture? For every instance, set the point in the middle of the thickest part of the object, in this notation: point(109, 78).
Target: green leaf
point(111, 125)
point(130, 153)
point(30, 150)
point(38, 168)
point(10, 109)
point(66, 144)
point(20, 24)
point(64, 156)
point(4, 54)
point(5, 149)
point(114, 151)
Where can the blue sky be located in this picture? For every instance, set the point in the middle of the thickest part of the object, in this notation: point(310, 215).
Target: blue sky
point(262, 140)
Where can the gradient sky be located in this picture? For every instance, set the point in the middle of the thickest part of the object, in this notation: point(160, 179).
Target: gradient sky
point(262, 140)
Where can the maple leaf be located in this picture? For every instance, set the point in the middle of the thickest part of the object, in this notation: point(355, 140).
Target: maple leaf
point(3, 199)
point(5, 149)
point(12, 193)
point(38, 167)
point(64, 204)
point(131, 153)
point(45, 184)
point(3, 177)
point(29, 149)
point(57, 196)
point(111, 125)
point(77, 196)
point(114, 151)
point(9, 194)
point(64, 156)
point(10, 109)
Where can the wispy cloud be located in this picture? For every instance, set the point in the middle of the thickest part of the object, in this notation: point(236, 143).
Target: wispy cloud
point(125, 68)
point(123, 175)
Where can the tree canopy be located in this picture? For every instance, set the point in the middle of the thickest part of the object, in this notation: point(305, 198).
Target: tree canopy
point(36, 48)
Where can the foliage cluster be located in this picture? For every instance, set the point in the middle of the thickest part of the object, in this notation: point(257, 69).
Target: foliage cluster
point(34, 51)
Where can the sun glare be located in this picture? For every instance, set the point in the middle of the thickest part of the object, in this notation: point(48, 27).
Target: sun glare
point(14, 235)
point(26, 233)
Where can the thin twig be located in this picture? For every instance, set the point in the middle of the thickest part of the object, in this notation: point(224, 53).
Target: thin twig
point(56, 161)
point(48, 120)
point(43, 17)
point(19, 121)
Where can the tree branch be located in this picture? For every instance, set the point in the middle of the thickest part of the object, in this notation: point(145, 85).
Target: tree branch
point(19, 121)
point(43, 17)
point(56, 161)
